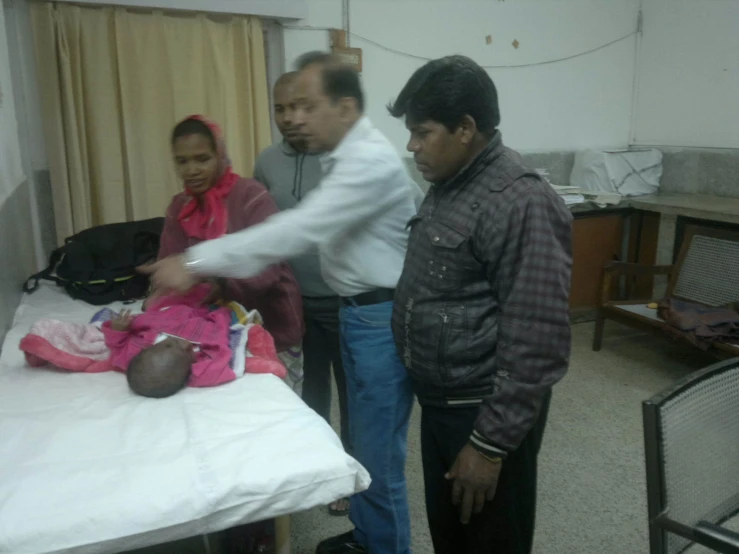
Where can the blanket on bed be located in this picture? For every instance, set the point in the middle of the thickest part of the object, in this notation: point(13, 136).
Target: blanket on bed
point(88, 468)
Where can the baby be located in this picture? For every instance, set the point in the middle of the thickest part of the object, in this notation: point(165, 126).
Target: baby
point(178, 341)
point(157, 371)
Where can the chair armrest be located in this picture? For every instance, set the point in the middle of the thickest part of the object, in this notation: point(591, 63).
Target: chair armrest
point(716, 538)
point(613, 270)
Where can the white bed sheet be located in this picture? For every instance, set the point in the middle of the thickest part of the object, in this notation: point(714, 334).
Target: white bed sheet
point(88, 467)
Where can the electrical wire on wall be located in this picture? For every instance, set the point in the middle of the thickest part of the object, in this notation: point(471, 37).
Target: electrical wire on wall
point(423, 58)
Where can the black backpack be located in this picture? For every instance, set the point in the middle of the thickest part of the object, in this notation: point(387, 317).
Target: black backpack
point(98, 265)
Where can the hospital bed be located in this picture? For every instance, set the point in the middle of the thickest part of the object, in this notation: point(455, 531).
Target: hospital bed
point(88, 467)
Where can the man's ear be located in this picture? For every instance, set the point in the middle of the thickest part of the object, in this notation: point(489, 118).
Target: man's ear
point(348, 106)
point(467, 129)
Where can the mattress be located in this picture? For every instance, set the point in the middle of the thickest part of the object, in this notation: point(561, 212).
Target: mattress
point(88, 467)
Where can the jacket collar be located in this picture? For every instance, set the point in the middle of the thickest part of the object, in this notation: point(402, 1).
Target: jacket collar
point(489, 154)
point(288, 149)
point(509, 167)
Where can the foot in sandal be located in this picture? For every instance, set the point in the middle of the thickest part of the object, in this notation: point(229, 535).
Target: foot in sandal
point(339, 508)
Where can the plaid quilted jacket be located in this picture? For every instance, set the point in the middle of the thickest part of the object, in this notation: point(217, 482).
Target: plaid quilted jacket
point(481, 310)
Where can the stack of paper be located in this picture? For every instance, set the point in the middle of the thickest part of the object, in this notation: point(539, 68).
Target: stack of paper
point(564, 189)
point(572, 199)
point(604, 198)
point(571, 195)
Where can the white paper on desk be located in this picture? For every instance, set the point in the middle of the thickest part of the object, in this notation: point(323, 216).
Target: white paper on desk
point(604, 198)
point(565, 189)
point(573, 199)
point(628, 173)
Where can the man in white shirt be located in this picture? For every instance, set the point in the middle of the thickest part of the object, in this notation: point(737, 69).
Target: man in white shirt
point(357, 217)
point(289, 173)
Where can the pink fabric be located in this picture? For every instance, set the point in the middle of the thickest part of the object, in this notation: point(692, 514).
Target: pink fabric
point(274, 292)
point(70, 346)
point(85, 348)
point(263, 358)
point(185, 317)
point(207, 218)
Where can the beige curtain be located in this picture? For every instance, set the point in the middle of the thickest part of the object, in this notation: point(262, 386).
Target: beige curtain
point(113, 84)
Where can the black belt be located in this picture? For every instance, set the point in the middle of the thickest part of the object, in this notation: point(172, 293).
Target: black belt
point(377, 296)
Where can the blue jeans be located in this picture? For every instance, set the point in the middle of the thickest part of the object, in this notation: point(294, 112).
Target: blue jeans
point(380, 400)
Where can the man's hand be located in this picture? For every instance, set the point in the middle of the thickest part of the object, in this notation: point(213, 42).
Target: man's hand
point(217, 292)
point(169, 274)
point(153, 295)
point(121, 321)
point(475, 480)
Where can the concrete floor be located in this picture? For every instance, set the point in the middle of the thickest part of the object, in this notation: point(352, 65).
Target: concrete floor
point(592, 490)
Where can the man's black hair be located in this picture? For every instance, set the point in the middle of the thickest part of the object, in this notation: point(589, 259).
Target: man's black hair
point(339, 79)
point(193, 127)
point(286, 79)
point(447, 89)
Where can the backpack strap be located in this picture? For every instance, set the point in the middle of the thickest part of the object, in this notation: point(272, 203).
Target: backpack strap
point(32, 284)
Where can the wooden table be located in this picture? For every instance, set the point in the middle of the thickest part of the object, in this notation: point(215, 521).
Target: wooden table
point(642, 229)
point(602, 235)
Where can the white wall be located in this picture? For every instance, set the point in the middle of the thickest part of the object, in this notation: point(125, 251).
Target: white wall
point(28, 110)
point(18, 229)
point(322, 14)
point(688, 74)
point(11, 170)
point(583, 102)
point(28, 101)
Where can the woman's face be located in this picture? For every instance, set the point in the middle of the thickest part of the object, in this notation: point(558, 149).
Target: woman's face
point(196, 162)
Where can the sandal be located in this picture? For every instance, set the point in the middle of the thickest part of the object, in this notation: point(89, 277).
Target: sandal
point(339, 512)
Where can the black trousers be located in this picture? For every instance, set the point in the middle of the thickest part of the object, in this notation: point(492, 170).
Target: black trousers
point(321, 351)
point(506, 525)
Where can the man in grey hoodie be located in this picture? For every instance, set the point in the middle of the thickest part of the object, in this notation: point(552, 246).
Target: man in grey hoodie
point(289, 173)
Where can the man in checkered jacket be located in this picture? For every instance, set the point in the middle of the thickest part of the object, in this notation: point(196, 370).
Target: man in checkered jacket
point(481, 311)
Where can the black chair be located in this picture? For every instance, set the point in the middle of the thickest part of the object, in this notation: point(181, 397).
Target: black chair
point(691, 440)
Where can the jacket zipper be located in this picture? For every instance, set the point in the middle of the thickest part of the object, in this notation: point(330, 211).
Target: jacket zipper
point(300, 177)
point(295, 177)
point(443, 340)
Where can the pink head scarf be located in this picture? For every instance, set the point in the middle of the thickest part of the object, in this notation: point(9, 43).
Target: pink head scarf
point(209, 218)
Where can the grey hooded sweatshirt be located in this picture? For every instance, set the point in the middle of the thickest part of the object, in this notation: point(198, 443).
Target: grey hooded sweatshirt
point(289, 175)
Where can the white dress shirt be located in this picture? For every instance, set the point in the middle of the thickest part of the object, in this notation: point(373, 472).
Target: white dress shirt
point(357, 218)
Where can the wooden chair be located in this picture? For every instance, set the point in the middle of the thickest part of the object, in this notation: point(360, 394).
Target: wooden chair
point(707, 272)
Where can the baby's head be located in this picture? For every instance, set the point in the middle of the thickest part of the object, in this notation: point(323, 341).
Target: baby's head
point(162, 369)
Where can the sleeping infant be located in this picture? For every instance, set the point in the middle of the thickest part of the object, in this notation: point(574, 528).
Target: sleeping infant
point(157, 371)
point(177, 342)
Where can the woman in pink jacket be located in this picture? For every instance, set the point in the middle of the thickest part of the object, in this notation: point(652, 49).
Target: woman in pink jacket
point(217, 201)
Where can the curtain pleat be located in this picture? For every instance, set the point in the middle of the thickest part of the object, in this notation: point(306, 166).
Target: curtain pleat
point(115, 82)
